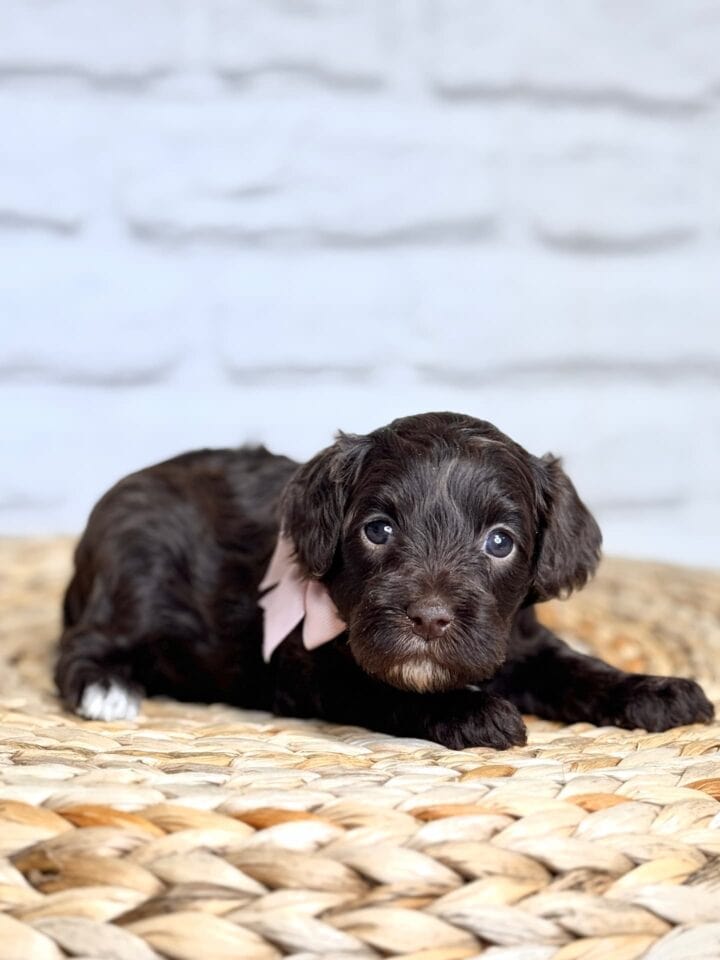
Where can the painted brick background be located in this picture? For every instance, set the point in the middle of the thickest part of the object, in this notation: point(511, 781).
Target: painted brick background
point(224, 220)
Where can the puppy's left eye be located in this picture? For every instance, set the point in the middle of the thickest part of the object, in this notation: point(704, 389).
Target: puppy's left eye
point(498, 544)
point(378, 531)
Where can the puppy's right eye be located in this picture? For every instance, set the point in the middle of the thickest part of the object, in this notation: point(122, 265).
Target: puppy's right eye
point(378, 531)
point(498, 544)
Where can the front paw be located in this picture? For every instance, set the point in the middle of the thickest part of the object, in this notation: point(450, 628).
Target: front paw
point(487, 721)
point(658, 703)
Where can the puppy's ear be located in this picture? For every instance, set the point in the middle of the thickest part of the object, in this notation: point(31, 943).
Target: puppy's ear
point(313, 504)
point(570, 539)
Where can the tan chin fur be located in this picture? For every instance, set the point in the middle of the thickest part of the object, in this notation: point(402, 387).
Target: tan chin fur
point(422, 676)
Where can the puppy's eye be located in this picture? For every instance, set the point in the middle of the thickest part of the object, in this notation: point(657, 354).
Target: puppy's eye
point(378, 531)
point(498, 544)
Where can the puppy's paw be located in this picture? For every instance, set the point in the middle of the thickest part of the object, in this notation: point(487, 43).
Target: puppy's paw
point(108, 701)
point(659, 703)
point(490, 722)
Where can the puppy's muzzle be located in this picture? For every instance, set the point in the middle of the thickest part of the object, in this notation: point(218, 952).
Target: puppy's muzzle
point(429, 618)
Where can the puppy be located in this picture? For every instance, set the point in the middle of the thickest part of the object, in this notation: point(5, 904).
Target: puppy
point(414, 555)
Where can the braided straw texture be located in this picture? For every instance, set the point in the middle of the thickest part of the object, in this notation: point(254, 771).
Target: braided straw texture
point(197, 833)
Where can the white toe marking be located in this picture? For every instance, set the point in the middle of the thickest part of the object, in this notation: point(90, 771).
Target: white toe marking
point(115, 702)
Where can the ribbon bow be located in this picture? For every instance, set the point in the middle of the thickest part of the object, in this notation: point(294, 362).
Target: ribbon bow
point(293, 598)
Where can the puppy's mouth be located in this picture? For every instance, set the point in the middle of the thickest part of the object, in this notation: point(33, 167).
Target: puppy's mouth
point(392, 653)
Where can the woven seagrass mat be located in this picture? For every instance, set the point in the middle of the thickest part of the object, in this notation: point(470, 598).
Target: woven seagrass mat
point(207, 832)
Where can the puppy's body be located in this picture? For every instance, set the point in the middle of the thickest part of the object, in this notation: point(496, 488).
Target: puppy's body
point(164, 596)
point(442, 641)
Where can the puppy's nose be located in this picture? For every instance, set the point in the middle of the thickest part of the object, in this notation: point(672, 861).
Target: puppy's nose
point(430, 618)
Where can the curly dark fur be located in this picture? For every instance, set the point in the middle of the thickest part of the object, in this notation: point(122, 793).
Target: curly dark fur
point(164, 595)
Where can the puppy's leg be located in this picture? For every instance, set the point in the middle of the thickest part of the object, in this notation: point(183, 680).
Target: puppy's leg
point(109, 653)
point(92, 677)
point(93, 671)
point(150, 635)
point(546, 677)
point(458, 719)
point(327, 683)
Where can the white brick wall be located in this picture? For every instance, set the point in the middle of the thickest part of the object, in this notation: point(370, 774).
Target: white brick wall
point(125, 43)
point(263, 219)
point(334, 41)
point(635, 54)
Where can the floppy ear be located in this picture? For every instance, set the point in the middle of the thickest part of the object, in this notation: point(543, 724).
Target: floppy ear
point(313, 504)
point(570, 539)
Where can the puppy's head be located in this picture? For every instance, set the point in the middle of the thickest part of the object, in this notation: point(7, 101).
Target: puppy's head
point(430, 534)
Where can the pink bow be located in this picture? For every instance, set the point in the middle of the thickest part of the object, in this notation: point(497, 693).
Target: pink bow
point(292, 598)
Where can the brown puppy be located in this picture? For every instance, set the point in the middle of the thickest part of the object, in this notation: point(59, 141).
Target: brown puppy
point(430, 539)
